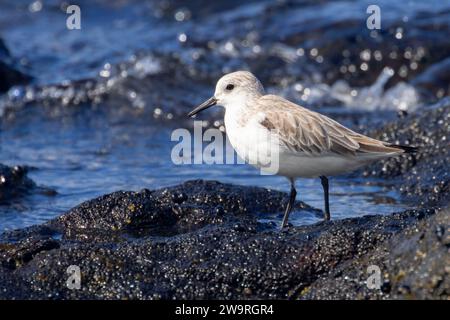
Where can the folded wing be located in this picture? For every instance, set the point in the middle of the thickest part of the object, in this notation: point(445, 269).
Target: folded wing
point(305, 131)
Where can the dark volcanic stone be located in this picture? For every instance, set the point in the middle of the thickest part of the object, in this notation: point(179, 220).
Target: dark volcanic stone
point(422, 177)
point(198, 240)
point(414, 265)
point(187, 207)
point(9, 74)
point(13, 182)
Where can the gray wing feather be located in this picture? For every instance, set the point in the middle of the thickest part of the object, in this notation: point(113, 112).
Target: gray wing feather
point(305, 131)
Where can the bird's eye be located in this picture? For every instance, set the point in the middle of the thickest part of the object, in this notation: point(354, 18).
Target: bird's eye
point(230, 87)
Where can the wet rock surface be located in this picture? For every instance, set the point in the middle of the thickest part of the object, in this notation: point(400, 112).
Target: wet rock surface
point(9, 73)
point(413, 264)
point(181, 209)
point(14, 182)
point(423, 177)
point(186, 208)
point(202, 240)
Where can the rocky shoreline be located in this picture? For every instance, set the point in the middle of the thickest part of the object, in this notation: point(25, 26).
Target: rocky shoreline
point(203, 240)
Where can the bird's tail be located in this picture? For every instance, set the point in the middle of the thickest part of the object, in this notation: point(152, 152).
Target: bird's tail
point(406, 149)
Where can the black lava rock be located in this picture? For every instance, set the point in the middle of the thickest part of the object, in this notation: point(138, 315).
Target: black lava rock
point(9, 73)
point(412, 265)
point(14, 182)
point(201, 239)
point(423, 177)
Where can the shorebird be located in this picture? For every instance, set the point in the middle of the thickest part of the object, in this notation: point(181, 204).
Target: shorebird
point(308, 144)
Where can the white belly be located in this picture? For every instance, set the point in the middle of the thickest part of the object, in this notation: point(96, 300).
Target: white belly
point(306, 166)
point(262, 149)
point(271, 160)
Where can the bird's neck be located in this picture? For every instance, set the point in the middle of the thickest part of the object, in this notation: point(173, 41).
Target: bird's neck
point(237, 113)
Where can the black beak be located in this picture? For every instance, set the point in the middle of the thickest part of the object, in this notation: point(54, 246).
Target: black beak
point(205, 105)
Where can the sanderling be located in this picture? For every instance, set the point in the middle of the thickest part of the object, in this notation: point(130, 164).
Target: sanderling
point(309, 144)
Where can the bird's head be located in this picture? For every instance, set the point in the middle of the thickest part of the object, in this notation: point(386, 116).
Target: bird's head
point(233, 89)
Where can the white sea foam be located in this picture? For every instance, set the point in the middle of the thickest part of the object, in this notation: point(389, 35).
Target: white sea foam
point(401, 96)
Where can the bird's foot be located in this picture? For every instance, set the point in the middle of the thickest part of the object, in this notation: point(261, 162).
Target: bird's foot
point(286, 227)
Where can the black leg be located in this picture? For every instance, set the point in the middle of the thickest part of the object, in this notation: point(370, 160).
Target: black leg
point(324, 181)
point(290, 204)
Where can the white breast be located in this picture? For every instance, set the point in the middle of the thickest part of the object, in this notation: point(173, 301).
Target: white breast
point(261, 148)
point(252, 141)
